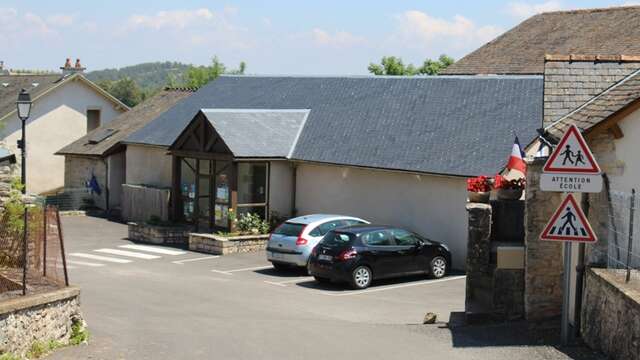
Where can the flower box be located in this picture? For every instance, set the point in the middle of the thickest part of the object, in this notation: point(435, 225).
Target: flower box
point(222, 245)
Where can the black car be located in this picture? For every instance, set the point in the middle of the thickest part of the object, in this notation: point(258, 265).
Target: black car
point(362, 253)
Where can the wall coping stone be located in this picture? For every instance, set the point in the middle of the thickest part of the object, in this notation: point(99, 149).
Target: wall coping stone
point(34, 300)
point(165, 227)
point(607, 277)
point(231, 238)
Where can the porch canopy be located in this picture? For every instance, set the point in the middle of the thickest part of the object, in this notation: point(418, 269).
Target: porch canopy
point(221, 162)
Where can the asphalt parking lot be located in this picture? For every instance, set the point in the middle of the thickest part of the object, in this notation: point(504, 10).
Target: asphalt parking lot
point(150, 302)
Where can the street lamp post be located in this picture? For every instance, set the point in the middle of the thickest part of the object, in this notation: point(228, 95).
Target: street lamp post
point(24, 110)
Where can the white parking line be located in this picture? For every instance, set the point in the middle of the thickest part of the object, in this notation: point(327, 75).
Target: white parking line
point(83, 263)
point(284, 283)
point(426, 282)
point(153, 249)
point(128, 254)
point(181, 262)
point(100, 258)
point(230, 272)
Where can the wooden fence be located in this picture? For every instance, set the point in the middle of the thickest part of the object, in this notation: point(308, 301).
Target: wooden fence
point(139, 203)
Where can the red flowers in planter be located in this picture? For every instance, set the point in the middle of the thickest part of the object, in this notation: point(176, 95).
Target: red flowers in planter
point(479, 184)
point(500, 182)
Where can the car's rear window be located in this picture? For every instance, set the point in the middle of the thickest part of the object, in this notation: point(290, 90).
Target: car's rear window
point(334, 238)
point(289, 229)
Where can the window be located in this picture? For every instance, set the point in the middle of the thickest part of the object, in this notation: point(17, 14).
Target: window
point(289, 229)
point(252, 188)
point(93, 119)
point(328, 226)
point(351, 222)
point(405, 238)
point(337, 238)
point(377, 238)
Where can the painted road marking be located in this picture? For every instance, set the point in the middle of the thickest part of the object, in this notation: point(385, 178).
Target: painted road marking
point(284, 283)
point(153, 249)
point(181, 262)
point(230, 272)
point(128, 254)
point(427, 282)
point(83, 263)
point(100, 258)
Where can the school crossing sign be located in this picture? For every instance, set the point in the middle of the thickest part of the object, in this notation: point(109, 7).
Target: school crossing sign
point(571, 167)
point(569, 223)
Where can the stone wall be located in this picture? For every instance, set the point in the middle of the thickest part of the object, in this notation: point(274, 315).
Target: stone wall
point(543, 260)
point(611, 314)
point(159, 235)
point(219, 245)
point(78, 171)
point(39, 317)
point(7, 172)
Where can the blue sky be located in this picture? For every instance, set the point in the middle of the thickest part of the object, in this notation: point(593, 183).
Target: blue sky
point(273, 37)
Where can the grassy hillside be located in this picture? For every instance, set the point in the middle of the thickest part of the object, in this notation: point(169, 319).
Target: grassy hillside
point(149, 76)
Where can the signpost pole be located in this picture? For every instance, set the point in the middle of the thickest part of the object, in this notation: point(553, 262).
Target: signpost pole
point(566, 296)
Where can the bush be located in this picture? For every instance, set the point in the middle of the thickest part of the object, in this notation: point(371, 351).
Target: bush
point(252, 224)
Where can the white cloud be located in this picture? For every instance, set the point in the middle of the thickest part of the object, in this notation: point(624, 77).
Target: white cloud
point(60, 20)
point(336, 39)
point(176, 19)
point(521, 10)
point(417, 28)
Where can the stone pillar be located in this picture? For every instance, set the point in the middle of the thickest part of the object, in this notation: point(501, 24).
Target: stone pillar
point(478, 248)
point(543, 260)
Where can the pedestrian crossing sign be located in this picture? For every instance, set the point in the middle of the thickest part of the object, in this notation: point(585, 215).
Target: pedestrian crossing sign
point(572, 156)
point(569, 223)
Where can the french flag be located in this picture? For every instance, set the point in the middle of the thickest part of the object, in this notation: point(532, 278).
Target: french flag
point(516, 160)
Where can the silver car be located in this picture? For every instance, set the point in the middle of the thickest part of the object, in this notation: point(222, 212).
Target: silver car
point(290, 244)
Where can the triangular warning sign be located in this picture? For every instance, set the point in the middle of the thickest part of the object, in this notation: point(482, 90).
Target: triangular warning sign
point(568, 223)
point(572, 155)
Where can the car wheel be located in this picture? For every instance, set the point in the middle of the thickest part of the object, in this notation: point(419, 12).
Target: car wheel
point(438, 267)
point(322, 280)
point(361, 277)
point(280, 267)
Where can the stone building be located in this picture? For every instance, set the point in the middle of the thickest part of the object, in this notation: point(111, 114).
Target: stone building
point(65, 106)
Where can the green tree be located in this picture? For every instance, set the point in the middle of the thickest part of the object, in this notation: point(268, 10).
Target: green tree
point(198, 76)
point(392, 65)
point(126, 90)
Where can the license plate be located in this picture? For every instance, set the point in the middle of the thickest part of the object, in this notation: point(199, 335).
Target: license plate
point(325, 257)
point(276, 255)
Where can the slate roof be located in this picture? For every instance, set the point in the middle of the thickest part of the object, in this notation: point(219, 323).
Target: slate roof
point(521, 50)
point(572, 80)
point(124, 125)
point(600, 107)
point(258, 133)
point(453, 125)
point(11, 85)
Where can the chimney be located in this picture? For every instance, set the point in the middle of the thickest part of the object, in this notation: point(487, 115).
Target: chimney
point(67, 69)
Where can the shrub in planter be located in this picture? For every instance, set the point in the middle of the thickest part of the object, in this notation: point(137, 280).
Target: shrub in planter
point(252, 224)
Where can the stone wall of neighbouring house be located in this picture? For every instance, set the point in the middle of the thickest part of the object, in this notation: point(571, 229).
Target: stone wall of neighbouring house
point(611, 314)
point(219, 245)
point(6, 175)
point(160, 235)
point(543, 260)
point(78, 171)
point(41, 317)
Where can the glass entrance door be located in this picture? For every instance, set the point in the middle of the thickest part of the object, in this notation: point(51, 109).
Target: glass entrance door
point(222, 197)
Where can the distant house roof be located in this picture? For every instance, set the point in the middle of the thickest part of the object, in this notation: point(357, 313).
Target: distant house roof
point(453, 125)
point(600, 107)
point(6, 156)
point(107, 138)
point(258, 133)
point(521, 50)
point(38, 85)
point(572, 80)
